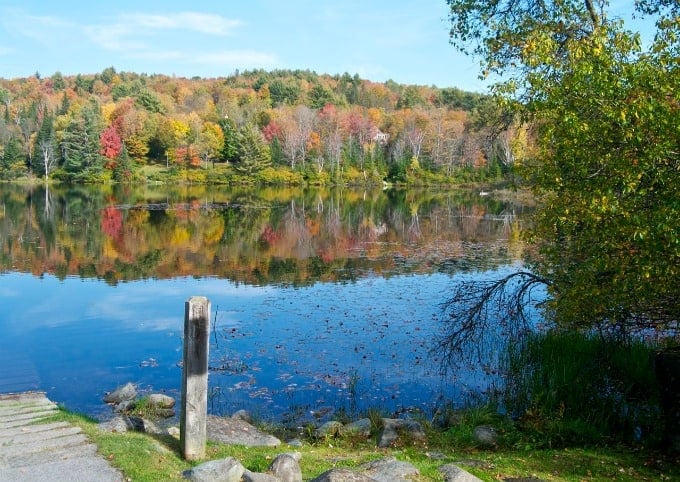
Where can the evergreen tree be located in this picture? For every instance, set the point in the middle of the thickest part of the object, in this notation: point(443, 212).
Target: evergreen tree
point(80, 145)
point(123, 170)
point(12, 163)
point(44, 148)
point(230, 148)
point(253, 152)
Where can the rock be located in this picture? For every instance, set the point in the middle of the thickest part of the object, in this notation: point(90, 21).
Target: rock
point(485, 435)
point(285, 468)
point(164, 412)
point(139, 424)
point(331, 429)
point(342, 475)
point(388, 435)
point(242, 415)
point(394, 427)
point(389, 470)
point(249, 476)
point(223, 470)
point(115, 425)
point(453, 473)
point(296, 442)
point(160, 400)
point(125, 406)
point(238, 432)
point(173, 432)
point(126, 392)
point(362, 426)
point(122, 424)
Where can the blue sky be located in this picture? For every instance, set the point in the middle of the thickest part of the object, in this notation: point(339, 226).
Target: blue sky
point(406, 41)
point(403, 40)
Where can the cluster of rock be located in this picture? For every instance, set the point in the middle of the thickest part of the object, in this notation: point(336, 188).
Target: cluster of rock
point(238, 430)
point(392, 430)
point(125, 399)
point(285, 468)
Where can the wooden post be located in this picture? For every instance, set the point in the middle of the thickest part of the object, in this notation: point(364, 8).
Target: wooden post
point(192, 425)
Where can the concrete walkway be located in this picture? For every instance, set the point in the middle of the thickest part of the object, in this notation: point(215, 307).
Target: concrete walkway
point(55, 452)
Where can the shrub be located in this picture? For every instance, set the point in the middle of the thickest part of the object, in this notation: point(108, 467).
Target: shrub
point(279, 176)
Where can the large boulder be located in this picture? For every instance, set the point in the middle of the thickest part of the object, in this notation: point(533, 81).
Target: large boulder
point(160, 400)
point(249, 476)
point(285, 468)
point(360, 427)
point(237, 432)
point(382, 470)
point(389, 470)
point(342, 475)
point(223, 470)
point(485, 435)
point(453, 473)
point(120, 394)
point(328, 429)
point(122, 424)
point(393, 428)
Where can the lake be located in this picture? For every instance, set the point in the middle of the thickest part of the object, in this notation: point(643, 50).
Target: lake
point(322, 299)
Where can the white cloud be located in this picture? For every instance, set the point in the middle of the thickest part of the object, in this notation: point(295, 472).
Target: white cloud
point(126, 32)
point(43, 29)
point(117, 37)
point(194, 21)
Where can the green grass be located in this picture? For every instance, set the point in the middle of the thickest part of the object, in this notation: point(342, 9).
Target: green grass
point(570, 388)
point(143, 457)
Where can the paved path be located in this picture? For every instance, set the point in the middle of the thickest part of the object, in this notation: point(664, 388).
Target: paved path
point(55, 452)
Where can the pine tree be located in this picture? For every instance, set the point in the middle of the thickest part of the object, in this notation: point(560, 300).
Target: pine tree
point(253, 152)
point(123, 170)
point(81, 145)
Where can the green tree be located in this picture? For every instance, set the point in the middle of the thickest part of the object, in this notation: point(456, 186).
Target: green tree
point(229, 149)
point(13, 160)
point(80, 145)
point(58, 82)
point(606, 113)
point(320, 96)
point(253, 152)
point(123, 170)
point(44, 158)
point(284, 92)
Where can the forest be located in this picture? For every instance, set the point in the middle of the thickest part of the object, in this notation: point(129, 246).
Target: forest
point(280, 127)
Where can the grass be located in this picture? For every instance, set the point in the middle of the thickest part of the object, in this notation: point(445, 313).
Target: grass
point(143, 457)
point(571, 388)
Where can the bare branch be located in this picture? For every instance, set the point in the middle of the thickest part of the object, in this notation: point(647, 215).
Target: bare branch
point(481, 312)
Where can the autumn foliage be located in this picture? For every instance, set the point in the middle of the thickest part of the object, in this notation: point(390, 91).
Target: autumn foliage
point(319, 128)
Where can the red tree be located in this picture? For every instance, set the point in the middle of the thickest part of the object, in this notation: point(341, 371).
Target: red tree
point(111, 145)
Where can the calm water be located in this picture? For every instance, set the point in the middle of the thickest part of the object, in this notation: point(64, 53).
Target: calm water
point(320, 298)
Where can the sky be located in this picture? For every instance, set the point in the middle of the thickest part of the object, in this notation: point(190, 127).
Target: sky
point(402, 40)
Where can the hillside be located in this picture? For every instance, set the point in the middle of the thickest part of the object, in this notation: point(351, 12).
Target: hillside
point(255, 126)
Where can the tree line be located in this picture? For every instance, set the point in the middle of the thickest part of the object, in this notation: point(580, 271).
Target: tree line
point(280, 126)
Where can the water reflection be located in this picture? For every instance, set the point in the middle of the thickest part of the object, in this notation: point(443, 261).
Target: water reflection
point(255, 236)
point(322, 297)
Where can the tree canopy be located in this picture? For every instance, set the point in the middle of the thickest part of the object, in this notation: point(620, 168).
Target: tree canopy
point(326, 129)
point(605, 112)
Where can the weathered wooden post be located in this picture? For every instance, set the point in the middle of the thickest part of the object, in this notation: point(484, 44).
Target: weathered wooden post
point(192, 425)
